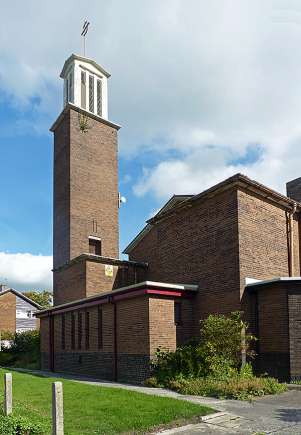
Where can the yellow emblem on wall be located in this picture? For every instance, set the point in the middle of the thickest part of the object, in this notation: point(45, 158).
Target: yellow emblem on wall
point(109, 270)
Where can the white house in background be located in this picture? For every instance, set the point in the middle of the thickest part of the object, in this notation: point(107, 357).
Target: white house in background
point(17, 312)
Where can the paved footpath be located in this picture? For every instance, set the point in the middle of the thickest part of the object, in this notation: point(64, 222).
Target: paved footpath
point(279, 414)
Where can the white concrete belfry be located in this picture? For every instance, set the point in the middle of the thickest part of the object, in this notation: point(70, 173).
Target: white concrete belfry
point(86, 85)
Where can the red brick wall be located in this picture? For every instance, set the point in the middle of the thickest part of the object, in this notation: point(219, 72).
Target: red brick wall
point(85, 188)
point(162, 328)
point(142, 325)
point(69, 283)
point(263, 239)
point(61, 193)
point(87, 278)
point(133, 326)
point(294, 303)
point(198, 245)
point(8, 312)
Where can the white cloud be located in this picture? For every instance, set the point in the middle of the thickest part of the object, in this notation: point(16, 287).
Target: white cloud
point(26, 271)
point(196, 82)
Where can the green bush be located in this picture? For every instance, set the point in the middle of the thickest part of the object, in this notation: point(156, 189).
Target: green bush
point(236, 387)
point(217, 353)
point(16, 425)
point(24, 351)
point(6, 358)
point(212, 365)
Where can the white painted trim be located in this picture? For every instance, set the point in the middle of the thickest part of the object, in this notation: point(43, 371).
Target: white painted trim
point(279, 279)
point(94, 238)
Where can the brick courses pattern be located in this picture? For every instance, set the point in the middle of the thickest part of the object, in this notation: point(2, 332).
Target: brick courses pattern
point(85, 189)
point(8, 310)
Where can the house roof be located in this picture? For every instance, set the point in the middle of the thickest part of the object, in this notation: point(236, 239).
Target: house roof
point(83, 59)
point(22, 296)
point(145, 287)
point(237, 180)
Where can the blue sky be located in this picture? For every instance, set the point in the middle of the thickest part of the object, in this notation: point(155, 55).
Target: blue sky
point(201, 92)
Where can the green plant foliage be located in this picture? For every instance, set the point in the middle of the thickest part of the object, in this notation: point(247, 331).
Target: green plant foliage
point(17, 425)
point(217, 353)
point(224, 339)
point(236, 387)
point(44, 298)
point(24, 351)
point(212, 365)
point(7, 335)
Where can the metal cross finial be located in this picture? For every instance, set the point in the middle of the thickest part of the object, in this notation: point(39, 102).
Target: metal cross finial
point(84, 33)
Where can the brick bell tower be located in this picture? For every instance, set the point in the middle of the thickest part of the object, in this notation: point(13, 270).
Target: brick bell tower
point(86, 198)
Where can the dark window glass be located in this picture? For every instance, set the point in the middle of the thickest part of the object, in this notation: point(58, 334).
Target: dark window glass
point(91, 94)
point(63, 332)
point(95, 246)
point(87, 329)
point(178, 313)
point(100, 339)
point(72, 331)
point(99, 98)
point(80, 330)
point(83, 89)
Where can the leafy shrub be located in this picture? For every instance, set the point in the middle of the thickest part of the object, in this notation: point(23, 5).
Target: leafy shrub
point(224, 338)
point(16, 425)
point(7, 335)
point(24, 350)
point(217, 353)
point(212, 365)
point(152, 382)
point(6, 358)
point(236, 387)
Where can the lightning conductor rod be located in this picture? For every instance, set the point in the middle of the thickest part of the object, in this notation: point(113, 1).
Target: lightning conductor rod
point(84, 33)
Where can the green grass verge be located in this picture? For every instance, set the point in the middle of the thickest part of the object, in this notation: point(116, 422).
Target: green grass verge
point(89, 409)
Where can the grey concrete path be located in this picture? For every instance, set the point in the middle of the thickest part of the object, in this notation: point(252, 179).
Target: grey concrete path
point(280, 414)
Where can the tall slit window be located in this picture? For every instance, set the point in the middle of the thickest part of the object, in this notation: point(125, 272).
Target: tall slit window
point(67, 90)
point(99, 97)
point(87, 329)
point(72, 331)
point(80, 329)
point(63, 342)
point(91, 94)
point(100, 337)
point(178, 313)
point(83, 90)
point(71, 87)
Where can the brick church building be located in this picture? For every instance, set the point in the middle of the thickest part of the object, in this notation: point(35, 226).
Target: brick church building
point(235, 246)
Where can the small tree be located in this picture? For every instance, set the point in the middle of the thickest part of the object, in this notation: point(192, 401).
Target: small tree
point(43, 298)
point(224, 339)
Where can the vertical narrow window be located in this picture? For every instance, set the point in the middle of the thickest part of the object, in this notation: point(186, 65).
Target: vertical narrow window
point(99, 97)
point(63, 343)
point(83, 90)
point(67, 89)
point(80, 329)
point(100, 339)
point(87, 329)
point(72, 331)
point(178, 313)
point(71, 87)
point(91, 94)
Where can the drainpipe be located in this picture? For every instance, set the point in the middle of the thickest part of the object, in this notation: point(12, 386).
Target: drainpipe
point(291, 240)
